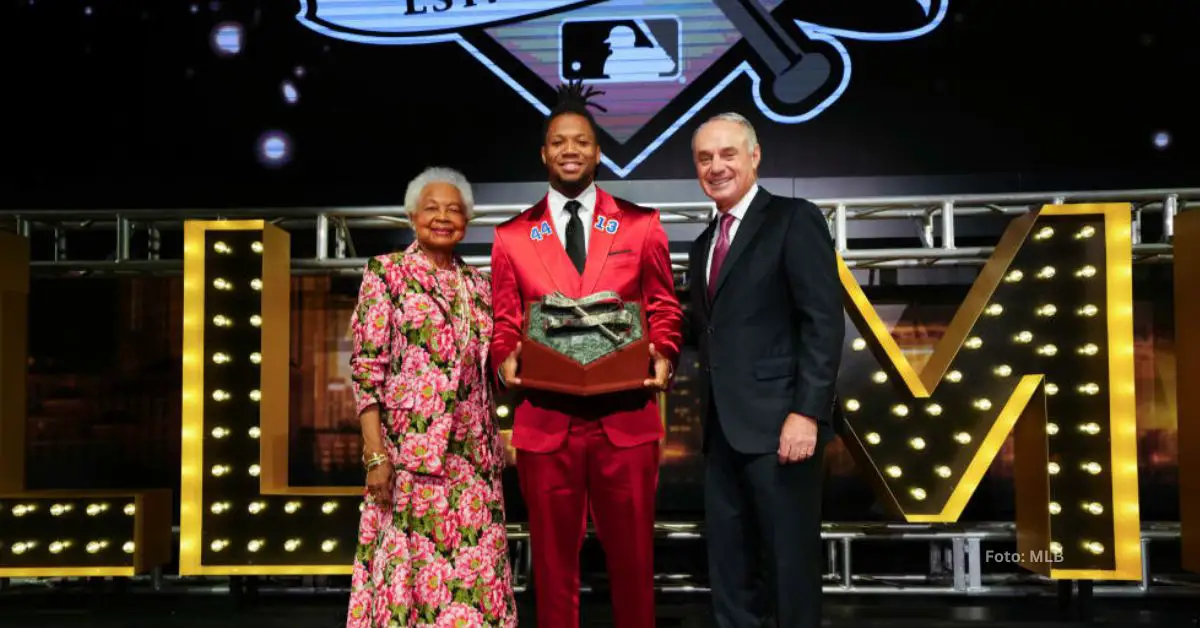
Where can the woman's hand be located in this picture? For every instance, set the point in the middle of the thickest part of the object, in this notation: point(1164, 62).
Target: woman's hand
point(379, 483)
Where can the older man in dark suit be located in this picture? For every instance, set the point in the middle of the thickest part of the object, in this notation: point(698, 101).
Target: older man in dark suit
point(767, 312)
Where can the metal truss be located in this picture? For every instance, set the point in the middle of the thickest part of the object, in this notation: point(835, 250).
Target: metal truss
point(967, 559)
point(963, 561)
point(936, 219)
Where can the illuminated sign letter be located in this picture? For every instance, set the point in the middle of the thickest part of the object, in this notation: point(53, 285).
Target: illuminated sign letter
point(1187, 356)
point(1042, 344)
point(238, 515)
point(61, 533)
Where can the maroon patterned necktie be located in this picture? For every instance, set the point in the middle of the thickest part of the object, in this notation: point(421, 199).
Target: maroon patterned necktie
point(718, 254)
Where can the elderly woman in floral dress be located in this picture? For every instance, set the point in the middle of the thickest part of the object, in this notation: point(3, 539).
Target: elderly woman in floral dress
point(432, 546)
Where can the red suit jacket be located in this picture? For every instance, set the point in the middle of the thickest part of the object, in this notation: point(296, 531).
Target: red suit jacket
point(631, 259)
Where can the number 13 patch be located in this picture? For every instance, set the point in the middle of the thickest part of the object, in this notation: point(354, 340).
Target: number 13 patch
point(607, 225)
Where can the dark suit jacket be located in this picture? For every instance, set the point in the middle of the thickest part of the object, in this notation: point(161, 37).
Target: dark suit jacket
point(771, 340)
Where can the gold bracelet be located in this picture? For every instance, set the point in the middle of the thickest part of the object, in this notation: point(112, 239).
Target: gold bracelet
point(375, 460)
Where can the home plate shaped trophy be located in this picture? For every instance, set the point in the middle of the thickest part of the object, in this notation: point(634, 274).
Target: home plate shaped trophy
point(588, 346)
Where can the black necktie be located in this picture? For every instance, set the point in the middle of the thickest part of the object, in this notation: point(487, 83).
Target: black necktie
point(576, 250)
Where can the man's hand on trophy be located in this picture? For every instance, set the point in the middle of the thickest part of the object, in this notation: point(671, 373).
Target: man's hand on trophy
point(662, 370)
point(508, 370)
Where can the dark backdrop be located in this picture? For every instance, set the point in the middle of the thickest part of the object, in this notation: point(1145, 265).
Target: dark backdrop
point(127, 104)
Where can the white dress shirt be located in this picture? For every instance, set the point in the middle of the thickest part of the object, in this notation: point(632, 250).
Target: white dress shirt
point(739, 212)
point(558, 213)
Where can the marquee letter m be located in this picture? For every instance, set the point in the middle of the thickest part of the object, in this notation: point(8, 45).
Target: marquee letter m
point(1042, 348)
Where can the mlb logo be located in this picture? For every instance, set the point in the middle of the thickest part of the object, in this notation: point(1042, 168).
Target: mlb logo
point(797, 65)
point(637, 50)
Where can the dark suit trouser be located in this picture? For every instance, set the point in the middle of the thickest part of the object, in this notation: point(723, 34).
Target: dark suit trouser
point(763, 526)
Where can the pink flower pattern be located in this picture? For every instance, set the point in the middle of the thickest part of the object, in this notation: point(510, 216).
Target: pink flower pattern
point(438, 554)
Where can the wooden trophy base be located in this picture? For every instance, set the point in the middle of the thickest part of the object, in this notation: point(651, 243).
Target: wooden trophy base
point(544, 368)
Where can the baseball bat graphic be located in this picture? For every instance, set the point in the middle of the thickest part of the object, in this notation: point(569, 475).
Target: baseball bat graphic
point(796, 73)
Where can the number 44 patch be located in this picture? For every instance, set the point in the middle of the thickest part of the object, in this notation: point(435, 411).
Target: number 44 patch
point(541, 231)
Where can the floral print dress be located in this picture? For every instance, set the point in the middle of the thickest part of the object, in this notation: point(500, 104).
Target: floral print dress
point(437, 555)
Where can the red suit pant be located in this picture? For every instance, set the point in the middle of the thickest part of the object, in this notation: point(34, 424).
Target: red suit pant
point(617, 485)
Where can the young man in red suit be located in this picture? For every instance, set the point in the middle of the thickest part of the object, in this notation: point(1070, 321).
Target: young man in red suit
point(596, 454)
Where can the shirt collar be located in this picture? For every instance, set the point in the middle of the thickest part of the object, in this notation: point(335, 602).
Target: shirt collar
point(738, 211)
point(558, 201)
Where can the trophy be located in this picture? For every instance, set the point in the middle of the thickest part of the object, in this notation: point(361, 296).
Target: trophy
point(588, 346)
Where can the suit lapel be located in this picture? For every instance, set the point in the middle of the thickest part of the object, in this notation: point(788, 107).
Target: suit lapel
point(606, 223)
point(544, 239)
point(698, 263)
point(753, 220)
point(481, 304)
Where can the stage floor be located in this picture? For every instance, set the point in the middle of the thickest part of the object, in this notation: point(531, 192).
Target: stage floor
point(109, 610)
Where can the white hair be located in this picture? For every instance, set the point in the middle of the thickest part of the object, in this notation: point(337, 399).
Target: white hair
point(736, 118)
point(439, 174)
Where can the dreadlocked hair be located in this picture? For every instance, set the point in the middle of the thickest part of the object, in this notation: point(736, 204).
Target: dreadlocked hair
point(574, 98)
